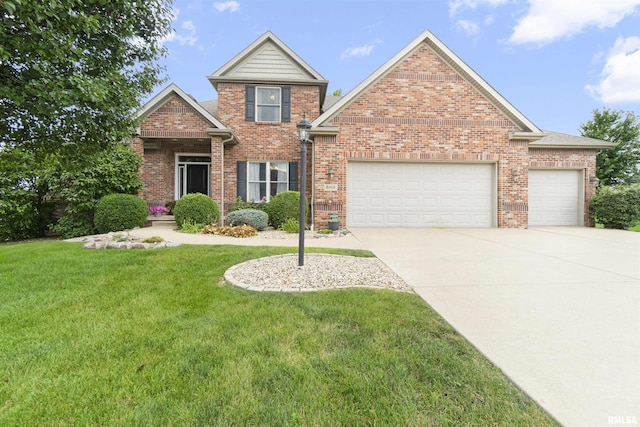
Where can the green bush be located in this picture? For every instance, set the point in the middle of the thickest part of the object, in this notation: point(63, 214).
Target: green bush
point(80, 182)
point(197, 208)
point(115, 212)
point(283, 206)
point(25, 210)
point(617, 207)
point(290, 226)
point(253, 217)
point(240, 204)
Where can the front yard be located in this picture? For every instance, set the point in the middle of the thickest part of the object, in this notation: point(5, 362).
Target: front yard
point(154, 338)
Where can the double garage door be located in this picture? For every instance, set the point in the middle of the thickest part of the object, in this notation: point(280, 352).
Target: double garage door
point(381, 194)
point(394, 194)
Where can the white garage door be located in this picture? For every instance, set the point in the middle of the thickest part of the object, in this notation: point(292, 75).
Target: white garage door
point(555, 197)
point(396, 194)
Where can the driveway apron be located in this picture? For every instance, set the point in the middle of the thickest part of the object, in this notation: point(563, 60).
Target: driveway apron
point(557, 309)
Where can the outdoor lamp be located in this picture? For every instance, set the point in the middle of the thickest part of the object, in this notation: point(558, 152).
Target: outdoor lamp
point(304, 126)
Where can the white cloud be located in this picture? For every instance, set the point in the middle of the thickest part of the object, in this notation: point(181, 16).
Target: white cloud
point(456, 5)
point(188, 38)
point(468, 26)
point(361, 50)
point(231, 6)
point(549, 20)
point(620, 81)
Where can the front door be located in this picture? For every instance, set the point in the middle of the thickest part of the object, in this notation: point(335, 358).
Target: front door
point(192, 174)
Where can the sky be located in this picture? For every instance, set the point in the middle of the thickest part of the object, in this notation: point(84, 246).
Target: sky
point(554, 60)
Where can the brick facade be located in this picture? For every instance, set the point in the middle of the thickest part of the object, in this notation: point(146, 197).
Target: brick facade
point(419, 110)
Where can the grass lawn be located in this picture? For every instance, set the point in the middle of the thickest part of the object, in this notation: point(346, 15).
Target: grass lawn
point(154, 338)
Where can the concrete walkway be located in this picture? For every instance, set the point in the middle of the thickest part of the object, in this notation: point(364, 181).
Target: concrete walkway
point(168, 233)
point(557, 309)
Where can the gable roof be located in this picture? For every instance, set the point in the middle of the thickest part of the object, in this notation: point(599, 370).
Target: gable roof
point(158, 101)
point(269, 60)
point(173, 90)
point(453, 61)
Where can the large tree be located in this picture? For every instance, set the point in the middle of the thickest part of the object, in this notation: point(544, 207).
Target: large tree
point(619, 164)
point(72, 72)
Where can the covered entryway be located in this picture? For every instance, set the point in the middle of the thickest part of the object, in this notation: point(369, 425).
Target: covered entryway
point(397, 194)
point(192, 174)
point(555, 197)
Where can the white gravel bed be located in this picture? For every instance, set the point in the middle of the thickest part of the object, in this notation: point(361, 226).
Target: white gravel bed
point(320, 272)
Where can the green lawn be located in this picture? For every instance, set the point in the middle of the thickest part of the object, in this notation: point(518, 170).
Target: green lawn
point(154, 338)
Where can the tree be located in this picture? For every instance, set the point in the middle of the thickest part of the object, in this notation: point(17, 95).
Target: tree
point(72, 72)
point(619, 164)
point(337, 92)
point(112, 170)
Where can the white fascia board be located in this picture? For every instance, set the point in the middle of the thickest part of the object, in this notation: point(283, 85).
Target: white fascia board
point(158, 100)
point(268, 36)
point(449, 57)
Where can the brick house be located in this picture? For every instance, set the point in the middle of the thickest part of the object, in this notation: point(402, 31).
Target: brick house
point(424, 141)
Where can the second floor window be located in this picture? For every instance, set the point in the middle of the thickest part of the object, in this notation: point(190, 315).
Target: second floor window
point(268, 104)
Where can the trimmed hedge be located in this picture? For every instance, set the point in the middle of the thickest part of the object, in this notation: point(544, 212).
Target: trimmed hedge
point(115, 212)
point(253, 217)
point(617, 207)
point(196, 208)
point(284, 206)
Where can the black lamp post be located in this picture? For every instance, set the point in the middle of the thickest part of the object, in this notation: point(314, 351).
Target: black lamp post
point(304, 126)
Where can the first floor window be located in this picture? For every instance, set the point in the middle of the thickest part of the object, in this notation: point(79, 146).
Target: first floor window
point(266, 179)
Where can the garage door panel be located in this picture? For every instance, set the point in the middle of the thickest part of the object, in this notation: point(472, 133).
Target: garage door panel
point(420, 194)
point(554, 197)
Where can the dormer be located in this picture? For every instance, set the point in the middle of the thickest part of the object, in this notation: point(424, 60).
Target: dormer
point(268, 69)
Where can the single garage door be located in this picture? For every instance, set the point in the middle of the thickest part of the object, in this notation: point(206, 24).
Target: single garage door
point(555, 197)
point(393, 194)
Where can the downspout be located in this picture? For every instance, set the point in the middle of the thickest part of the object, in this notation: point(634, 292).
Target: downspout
point(313, 185)
point(231, 137)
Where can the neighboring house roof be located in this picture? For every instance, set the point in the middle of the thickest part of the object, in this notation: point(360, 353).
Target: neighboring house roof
point(563, 140)
point(211, 106)
point(453, 61)
point(269, 60)
point(173, 90)
point(329, 101)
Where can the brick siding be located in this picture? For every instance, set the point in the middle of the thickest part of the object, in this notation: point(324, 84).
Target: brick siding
point(421, 110)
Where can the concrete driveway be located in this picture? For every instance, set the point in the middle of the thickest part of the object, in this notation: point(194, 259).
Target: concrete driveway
point(557, 309)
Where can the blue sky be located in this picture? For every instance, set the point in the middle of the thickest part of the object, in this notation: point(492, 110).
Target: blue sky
point(554, 60)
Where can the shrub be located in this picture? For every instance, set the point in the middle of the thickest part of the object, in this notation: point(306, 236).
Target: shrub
point(283, 206)
point(115, 212)
point(237, 231)
point(196, 208)
point(191, 227)
point(240, 204)
point(253, 217)
point(290, 226)
point(25, 210)
point(81, 181)
point(617, 207)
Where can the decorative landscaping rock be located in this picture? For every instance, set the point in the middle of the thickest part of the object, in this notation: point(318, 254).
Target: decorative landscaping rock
point(122, 240)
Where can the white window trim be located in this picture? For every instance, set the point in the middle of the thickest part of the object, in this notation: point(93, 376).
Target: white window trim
point(177, 171)
point(257, 105)
point(268, 181)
